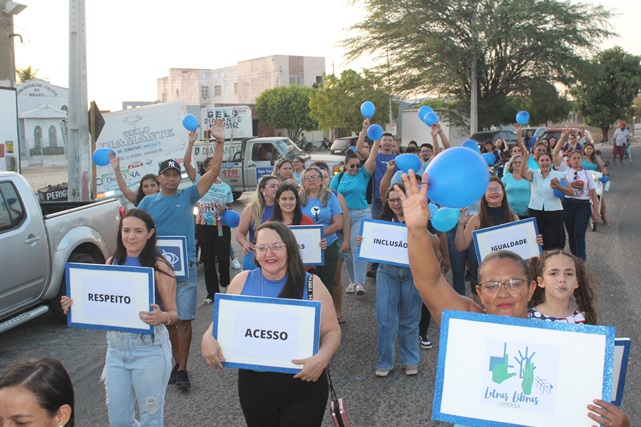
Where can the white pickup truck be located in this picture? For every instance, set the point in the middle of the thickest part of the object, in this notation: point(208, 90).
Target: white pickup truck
point(37, 239)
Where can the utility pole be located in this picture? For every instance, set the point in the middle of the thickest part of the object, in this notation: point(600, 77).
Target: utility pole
point(79, 146)
point(474, 117)
point(8, 9)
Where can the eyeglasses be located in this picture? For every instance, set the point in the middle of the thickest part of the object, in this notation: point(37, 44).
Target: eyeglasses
point(541, 149)
point(517, 163)
point(393, 201)
point(513, 286)
point(312, 177)
point(355, 165)
point(497, 190)
point(426, 151)
point(275, 247)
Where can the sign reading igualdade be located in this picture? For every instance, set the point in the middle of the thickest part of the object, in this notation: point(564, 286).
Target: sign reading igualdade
point(518, 237)
point(109, 297)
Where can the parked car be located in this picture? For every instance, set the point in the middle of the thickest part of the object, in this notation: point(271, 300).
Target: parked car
point(341, 145)
point(536, 132)
point(556, 133)
point(38, 239)
point(492, 135)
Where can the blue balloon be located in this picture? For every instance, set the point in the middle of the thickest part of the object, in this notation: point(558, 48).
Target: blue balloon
point(231, 218)
point(190, 122)
point(433, 209)
point(472, 145)
point(368, 109)
point(490, 158)
point(352, 148)
point(558, 193)
point(604, 179)
point(408, 161)
point(423, 111)
point(374, 132)
point(458, 177)
point(522, 117)
point(430, 118)
point(446, 219)
point(101, 156)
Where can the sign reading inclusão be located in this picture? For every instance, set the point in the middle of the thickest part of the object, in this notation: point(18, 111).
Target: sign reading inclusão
point(390, 249)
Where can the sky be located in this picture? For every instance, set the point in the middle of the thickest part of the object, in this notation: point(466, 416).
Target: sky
point(131, 43)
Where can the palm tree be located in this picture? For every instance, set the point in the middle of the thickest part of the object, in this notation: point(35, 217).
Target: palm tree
point(27, 73)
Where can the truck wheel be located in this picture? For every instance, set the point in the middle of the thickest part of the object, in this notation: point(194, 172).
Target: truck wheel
point(54, 304)
point(237, 195)
point(309, 147)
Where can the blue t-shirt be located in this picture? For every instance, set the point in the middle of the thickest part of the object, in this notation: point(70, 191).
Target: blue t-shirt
point(267, 215)
point(269, 288)
point(585, 164)
point(517, 193)
point(174, 215)
point(323, 214)
point(353, 188)
point(379, 171)
point(218, 194)
point(532, 164)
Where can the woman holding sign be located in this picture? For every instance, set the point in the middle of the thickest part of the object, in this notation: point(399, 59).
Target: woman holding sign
point(269, 398)
point(504, 288)
point(140, 365)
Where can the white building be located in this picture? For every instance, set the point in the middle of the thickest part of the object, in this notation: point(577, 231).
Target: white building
point(42, 107)
point(241, 83)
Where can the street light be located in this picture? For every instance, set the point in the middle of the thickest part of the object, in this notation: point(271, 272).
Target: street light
point(13, 8)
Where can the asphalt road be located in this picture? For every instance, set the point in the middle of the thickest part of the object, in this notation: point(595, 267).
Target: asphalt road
point(393, 401)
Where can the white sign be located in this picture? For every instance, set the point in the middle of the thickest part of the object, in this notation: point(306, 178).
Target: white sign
point(518, 237)
point(383, 242)
point(308, 238)
point(237, 121)
point(174, 249)
point(266, 333)
point(109, 296)
point(499, 371)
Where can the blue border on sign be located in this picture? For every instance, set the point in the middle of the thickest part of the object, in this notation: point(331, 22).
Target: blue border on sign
point(184, 261)
point(380, 261)
point(608, 331)
point(316, 305)
point(625, 343)
point(497, 227)
point(322, 236)
point(103, 267)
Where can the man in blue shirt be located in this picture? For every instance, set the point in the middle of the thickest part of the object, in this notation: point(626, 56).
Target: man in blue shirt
point(172, 211)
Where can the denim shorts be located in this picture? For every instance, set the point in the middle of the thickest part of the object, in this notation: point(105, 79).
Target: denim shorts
point(187, 294)
point(342, 256)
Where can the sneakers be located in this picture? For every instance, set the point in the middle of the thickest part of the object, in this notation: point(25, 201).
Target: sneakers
point(360, 289)
point(382, 372)
point(172, 376)
point(182, 381)
point(207, 301)
point(411, 370)
point(235, 264)
point(351, 288)
point(371, 274)
point(424, 342)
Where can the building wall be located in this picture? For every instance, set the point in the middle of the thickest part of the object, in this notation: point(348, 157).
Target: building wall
point(35, 93)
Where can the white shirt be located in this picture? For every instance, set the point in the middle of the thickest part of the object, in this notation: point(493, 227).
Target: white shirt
point(542, 196)
point(620, 137)
point(582, 177)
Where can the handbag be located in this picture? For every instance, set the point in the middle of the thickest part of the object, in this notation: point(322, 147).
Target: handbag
point(337, 408)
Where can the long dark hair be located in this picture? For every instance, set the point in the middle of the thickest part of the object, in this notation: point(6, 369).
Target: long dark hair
point(387, 214)
point(278, 213)
point(583, 294)
point(593, 158)
point(149, 254)
point(295, 284)
point(484, 211)
point(141, 195)
point(47, 380)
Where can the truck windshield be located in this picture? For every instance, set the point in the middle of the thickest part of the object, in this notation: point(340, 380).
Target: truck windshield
point(284, 147)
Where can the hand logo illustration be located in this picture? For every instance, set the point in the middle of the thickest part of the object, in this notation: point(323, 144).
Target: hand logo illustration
point(499, 367)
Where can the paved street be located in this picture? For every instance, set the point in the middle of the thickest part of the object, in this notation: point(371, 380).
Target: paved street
point(393, 401)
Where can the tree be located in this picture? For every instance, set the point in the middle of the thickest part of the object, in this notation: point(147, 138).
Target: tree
point(337, 105)
point(286, 107)
point(27, 73)
point(431, 44)
point(545, 104)
point(607, 88)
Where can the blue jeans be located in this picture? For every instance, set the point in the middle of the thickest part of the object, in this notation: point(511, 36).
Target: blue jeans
point(457, 262)
point(377, 207)
point(137, 370)
point(357, 266)
point(398, 311)
point(576, 217)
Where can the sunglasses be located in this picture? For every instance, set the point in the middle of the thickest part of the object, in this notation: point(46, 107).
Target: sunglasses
point(355, 166)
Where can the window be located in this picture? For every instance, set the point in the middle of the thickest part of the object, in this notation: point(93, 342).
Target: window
point(296, 80)
point(37, 138)
point(204, 92)
point(262, 152)
point(218, 90)
point(12, 212)
point(53, 137)
point(235, 88)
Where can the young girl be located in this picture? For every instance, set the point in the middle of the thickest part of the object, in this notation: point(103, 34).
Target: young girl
point(561, 276)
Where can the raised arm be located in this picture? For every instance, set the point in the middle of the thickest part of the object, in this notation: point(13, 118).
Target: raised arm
point(435, 291)
point(189, 168)
point(210, 176)
point(361, 140)
point(556, 157)
point(437, 131)
point(370, 163)
point(122, 185)
point(526, 173)
point(386, 181)
point(464, 229)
